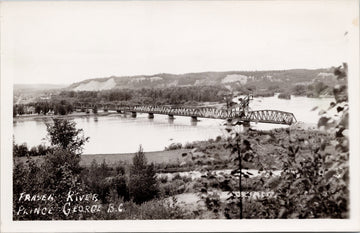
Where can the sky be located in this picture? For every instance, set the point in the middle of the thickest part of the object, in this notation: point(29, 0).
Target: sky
point(65, 42)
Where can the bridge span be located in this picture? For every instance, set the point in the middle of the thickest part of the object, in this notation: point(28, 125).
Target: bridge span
point(238, 113)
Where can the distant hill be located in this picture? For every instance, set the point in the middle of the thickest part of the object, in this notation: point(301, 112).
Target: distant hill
point(27, 93)
point(230, 79)
point(38, 87)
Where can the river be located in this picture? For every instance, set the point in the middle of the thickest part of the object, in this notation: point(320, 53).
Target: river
point(117, 133)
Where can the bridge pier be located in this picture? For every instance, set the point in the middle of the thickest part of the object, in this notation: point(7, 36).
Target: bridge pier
point(194, 118)
point(151, 115)
point(133, 114)
point(171, 117)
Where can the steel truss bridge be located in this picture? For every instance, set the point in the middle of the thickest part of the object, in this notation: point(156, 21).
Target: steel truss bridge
point(238, 113)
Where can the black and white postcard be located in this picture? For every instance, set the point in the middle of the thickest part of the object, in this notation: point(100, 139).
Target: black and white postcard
point(179, 115)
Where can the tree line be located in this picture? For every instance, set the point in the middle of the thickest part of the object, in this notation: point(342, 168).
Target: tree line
point(22, 150)
point(65, 102)
point(266, 89)
point(153, 96)
point(61, 107)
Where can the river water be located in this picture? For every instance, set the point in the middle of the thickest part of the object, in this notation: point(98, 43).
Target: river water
point(117, 133)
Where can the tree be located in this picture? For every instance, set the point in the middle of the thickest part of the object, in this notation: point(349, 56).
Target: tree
point(20, 109)
point(38, 109)
point(69, 108)
point(45, 108)
point(63, 133)
point(33, 151)
point(95, 110)
point(299, 90)
point(20, 150)
point(14, 111)
point(42, 149)
point(142, 185)
point(319, 87)
point(61, 109)
point(61, 167)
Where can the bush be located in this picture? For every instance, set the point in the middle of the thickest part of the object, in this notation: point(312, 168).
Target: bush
point(189, 145)
point(284, 96)
point(20, 150)
point(174, 146)
point(172, 188)
point(154, 209)
point(103, 180)
point(163, 179)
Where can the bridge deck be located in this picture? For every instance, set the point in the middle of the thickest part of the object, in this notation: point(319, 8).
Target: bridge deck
point(261, 116)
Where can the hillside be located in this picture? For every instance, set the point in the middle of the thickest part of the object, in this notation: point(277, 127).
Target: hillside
point(37, 87)
point(231, 79)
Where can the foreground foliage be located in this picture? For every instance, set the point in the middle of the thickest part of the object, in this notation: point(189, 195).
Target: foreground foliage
point(313, 182)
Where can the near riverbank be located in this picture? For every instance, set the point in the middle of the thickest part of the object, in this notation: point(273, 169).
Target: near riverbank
point(156, 157)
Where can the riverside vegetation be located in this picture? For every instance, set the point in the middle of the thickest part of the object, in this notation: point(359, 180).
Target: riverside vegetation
point(313, 183)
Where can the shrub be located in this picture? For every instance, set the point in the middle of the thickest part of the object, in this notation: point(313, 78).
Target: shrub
point(172, 188)
point(284, 96)
point(155, 209)
point(163, 179)
point(189, 145)
point(174, 146)
point(20, 150)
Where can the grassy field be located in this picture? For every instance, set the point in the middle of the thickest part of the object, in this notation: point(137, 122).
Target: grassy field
point(172, 156)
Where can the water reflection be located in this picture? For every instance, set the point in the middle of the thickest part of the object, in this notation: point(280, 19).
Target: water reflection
point(41, 121)
point(194, 122)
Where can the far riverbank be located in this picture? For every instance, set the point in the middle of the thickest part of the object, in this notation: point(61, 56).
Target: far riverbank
point(70, 115)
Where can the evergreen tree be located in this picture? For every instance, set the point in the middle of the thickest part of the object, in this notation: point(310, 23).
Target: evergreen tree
point(142, 185)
